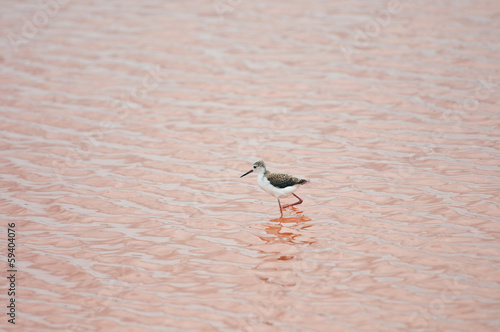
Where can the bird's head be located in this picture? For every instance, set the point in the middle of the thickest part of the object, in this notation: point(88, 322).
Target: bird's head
point(258, 166)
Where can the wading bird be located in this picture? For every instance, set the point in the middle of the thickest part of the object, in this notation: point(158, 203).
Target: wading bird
point(276, 184)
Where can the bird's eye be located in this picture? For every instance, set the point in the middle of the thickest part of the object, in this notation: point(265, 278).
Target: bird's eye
point(254, 166)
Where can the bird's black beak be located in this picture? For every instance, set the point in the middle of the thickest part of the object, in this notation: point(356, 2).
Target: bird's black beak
point(250, 171)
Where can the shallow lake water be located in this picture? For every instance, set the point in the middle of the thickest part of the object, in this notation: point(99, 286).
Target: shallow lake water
point(125, 127)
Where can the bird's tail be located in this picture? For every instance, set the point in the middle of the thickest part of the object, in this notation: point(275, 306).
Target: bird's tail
point(303, 181)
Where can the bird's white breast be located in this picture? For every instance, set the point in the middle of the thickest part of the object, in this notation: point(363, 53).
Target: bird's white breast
point(269, 188)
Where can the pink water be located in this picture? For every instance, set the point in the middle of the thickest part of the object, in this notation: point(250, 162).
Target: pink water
point(125, 127)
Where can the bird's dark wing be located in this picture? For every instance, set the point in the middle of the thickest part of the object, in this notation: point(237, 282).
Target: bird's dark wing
point(284, 180)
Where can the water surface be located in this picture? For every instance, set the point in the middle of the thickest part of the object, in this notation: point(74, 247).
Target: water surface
point(125, 127)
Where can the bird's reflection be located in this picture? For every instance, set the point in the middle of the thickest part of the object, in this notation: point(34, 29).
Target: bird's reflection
point(288, 229)
point(286, 255)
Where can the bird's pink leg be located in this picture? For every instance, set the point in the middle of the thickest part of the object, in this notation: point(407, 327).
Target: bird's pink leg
point(281, 210)
point(296, 203)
